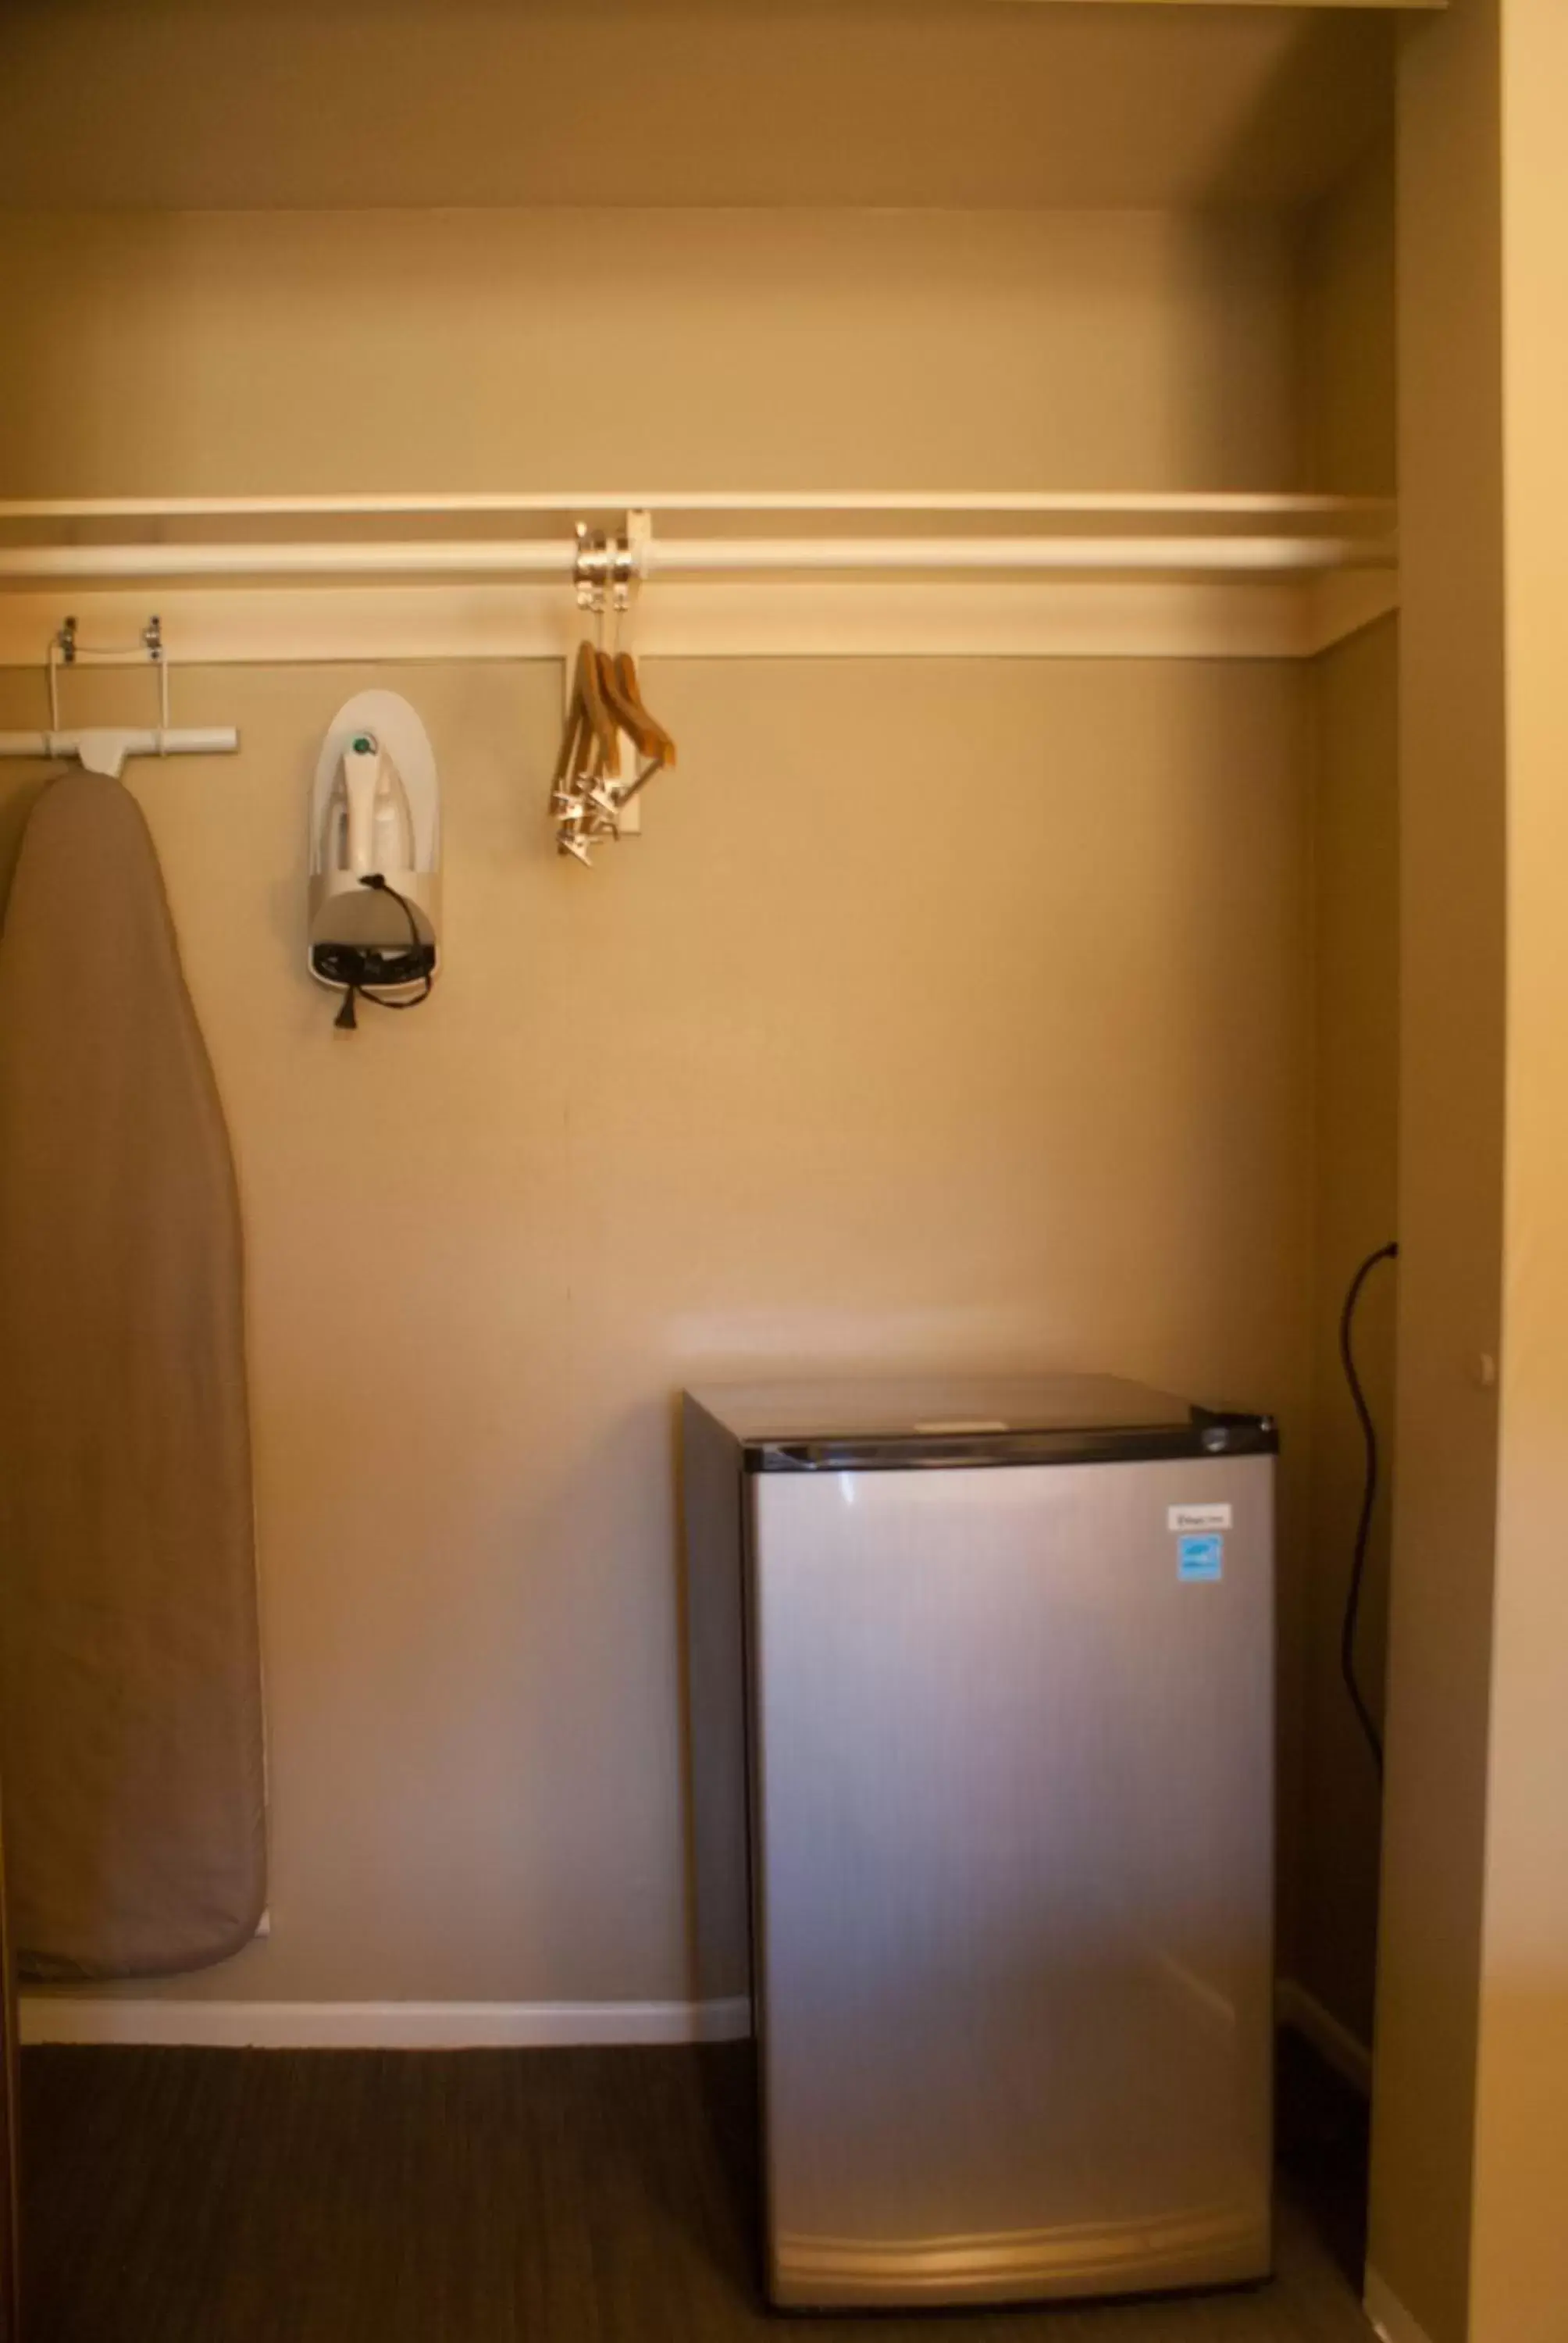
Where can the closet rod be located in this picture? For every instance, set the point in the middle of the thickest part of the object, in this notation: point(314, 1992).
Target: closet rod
point(718, 557)
point(1226, 505)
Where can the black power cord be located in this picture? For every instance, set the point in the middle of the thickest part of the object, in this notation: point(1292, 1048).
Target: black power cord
point(1368, 1500)
point(345, 1018)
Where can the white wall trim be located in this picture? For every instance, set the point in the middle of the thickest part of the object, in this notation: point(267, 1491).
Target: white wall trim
point(1305, 2015)
point(73, 2017)
point(224, 626)
point(1388, 2313)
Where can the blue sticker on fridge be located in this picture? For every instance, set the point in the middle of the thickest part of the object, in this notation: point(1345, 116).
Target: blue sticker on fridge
point(1200, 1560)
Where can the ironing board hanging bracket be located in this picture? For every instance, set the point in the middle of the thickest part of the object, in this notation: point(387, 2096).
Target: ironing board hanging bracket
point(104, 748)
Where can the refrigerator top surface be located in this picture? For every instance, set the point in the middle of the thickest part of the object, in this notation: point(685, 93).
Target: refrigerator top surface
point(872, 1425)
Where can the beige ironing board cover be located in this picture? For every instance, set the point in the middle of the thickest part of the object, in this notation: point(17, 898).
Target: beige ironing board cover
point(131, 1729)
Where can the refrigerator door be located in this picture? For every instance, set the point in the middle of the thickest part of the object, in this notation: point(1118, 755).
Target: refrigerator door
point(1011, 1763)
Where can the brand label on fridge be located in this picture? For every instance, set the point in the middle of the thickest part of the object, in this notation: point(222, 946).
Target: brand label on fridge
point(1198, 1517)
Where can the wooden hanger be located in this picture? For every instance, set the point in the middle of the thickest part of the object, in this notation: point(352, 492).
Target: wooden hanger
point(631, 689)
point(587, 792)
point(646, 738)
point(588, 761)
point(656, 748)
point(591, 738)
point(599, 717)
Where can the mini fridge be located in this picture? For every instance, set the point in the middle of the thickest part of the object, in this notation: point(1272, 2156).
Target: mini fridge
point(984, 1805)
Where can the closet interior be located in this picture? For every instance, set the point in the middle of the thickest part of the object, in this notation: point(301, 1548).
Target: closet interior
point(976, 421)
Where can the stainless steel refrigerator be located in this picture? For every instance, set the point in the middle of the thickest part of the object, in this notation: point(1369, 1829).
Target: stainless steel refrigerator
point(988, 1814)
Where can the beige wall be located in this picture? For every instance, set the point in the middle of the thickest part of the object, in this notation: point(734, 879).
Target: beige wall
point(1348, 385)
point(1520, 2266)
point(1450, 1160)
point(1349, 422)
point(821, 1069)
point(1355, 851)
point(220, 105)
point(289, 352)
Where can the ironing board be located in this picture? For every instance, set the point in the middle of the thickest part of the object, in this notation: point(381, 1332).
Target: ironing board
point(130, 1684)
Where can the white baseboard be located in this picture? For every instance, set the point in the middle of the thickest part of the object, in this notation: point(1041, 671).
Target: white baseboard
point(73, 2017)
point(1304, 2014)
point(1388, 2313)
point(68, 2016)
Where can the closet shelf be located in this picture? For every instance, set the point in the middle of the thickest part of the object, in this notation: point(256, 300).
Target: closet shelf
point(695, 535)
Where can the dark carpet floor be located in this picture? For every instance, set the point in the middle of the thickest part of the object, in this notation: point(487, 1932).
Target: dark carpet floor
point(490, 2197)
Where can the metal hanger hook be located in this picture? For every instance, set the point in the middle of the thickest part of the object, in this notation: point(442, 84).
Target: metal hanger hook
point(622, 566)
point(591, 572)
